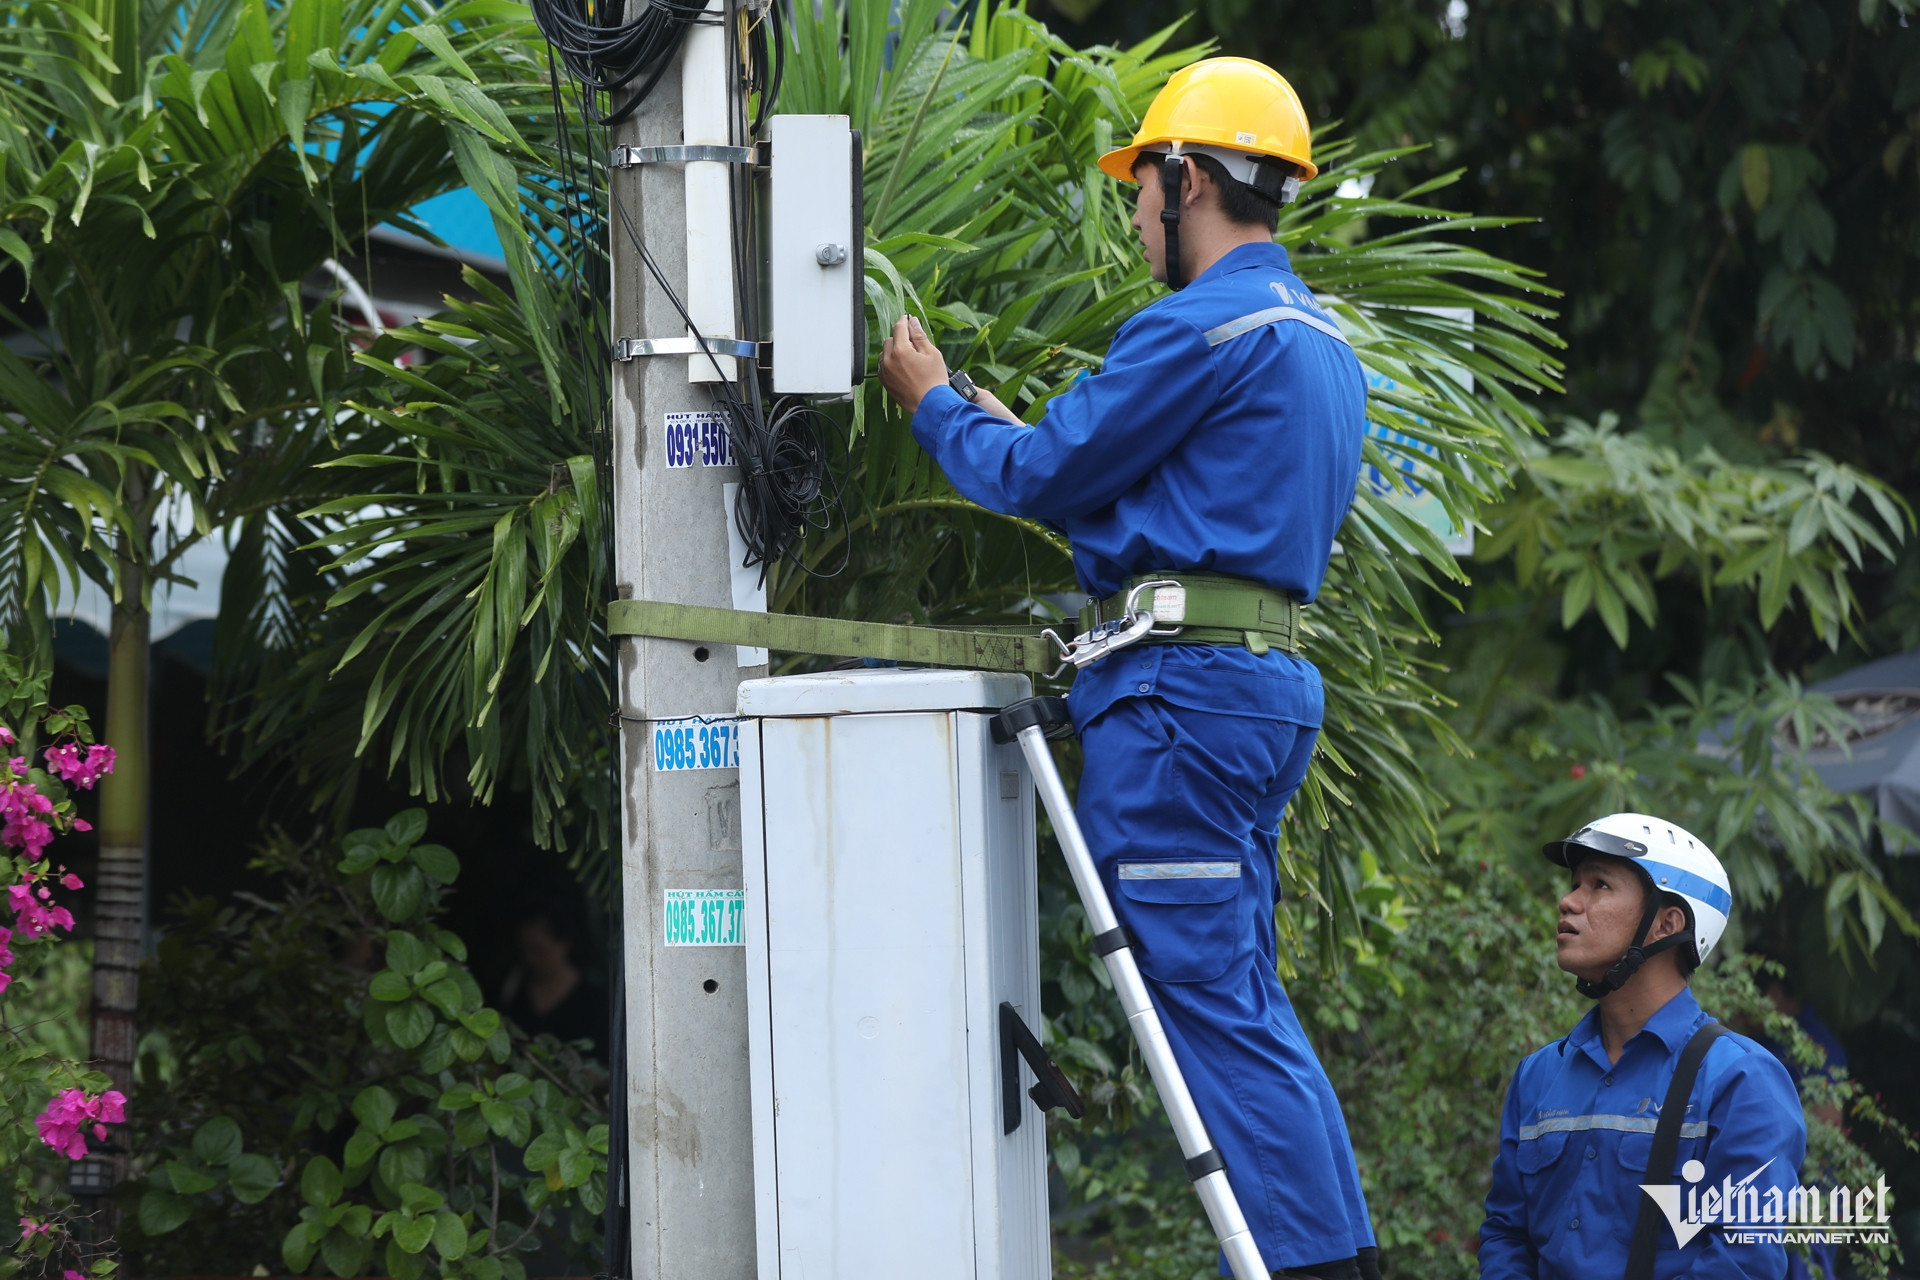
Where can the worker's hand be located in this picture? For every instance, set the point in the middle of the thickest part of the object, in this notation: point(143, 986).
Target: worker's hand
point(991, 403)
point(910, 365)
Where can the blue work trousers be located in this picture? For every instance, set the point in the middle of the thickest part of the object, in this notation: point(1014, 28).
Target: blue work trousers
point(1181, 809)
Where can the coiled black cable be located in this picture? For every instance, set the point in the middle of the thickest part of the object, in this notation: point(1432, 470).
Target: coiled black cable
point(606, 52)
point(786, 486)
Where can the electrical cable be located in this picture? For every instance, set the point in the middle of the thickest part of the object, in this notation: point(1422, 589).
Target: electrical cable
point(606, 54)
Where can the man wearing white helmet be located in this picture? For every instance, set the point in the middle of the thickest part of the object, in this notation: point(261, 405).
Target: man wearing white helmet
point(1646, 905)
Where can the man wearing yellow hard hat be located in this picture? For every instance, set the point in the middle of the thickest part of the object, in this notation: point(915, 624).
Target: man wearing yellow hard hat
point(1216, 449)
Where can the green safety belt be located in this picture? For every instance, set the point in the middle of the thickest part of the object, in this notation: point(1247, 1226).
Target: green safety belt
point(1212, 609)
point(1010, 649)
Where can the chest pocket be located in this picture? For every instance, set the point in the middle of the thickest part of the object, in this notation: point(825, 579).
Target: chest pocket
point(1634, 1149)
point(1186, 916)
point(1536, 1155)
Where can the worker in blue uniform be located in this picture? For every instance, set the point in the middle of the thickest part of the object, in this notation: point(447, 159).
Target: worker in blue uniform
point(1581, 1115)
point(1218, 446)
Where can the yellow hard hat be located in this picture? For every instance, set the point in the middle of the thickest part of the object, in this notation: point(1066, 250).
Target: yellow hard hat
point(1234, 103)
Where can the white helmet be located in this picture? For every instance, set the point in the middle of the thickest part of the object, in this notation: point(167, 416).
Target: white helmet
point(1671, 860)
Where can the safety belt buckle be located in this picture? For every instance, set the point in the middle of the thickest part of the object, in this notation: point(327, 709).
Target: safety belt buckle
point(1136, 623)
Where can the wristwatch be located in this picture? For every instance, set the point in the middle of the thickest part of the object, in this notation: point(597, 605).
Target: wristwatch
point(960, 382)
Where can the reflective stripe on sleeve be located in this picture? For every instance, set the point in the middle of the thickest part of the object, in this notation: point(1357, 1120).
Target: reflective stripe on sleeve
point(1272, 315)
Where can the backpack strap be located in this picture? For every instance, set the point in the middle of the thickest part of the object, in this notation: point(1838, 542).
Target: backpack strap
point(1666, 1145)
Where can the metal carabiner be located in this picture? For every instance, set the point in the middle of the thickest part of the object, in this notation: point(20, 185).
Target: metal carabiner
point(1108, 637)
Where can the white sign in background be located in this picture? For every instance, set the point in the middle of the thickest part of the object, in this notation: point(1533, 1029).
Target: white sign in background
point(1416, 499)
point(748, 584)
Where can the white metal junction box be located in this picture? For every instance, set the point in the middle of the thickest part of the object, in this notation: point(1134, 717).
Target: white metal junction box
point(892, 909)
point(816, 256)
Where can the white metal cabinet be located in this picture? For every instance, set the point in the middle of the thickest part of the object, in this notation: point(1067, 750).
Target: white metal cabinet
point(891, 904)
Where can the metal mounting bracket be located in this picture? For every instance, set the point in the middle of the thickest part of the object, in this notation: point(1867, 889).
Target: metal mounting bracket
point(625, 157)
point(625, 349)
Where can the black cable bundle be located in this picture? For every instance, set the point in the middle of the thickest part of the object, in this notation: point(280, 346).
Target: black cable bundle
point(606, 52)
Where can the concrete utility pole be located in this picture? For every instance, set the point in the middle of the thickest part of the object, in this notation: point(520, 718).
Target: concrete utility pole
point(690, 1172)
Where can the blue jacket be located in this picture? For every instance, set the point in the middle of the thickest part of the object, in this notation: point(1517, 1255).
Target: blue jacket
point(1235, 456)
point(1575, 1137)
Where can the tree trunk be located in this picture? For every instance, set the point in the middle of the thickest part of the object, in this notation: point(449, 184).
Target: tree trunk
point(120, 882)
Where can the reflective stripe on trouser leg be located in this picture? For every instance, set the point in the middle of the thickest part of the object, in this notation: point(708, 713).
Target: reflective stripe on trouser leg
point(1163, 784)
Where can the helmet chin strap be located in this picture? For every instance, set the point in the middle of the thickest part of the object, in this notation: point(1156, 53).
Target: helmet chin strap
point(1173, 175)
point(1638, 954)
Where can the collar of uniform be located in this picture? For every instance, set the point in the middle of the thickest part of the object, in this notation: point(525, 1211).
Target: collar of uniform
point(1240, 257)
point(1676, 1020)
point(1671, 1025)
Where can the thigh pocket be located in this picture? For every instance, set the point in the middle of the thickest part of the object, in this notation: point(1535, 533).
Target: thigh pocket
point(1185, 915)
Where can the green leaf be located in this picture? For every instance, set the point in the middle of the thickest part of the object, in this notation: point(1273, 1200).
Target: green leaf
point(482, 1023)
point(413, 1234)
point(345, 1254)
point(470, 1128)
point(438, 1053)
point(444, 995)
point(417, 1198)
point(406, 827)
point(410, 1024)
point(402, 1265)
point(320, 1182)
point(390, 986)
point(499, 1116)
point(398, 890)
point(360, 859)
point(297, 1249)
point(189, 1181)
point(407, 952)
point(374, 1107)
point(403, 1164)
point(574, 1166)
point(361, 1148)
point(161, 1212)
point(438, 861)
point(512, 1086)
point(1756, 174)
point(543, 1151)
point(217, 1141)
point(449, 1235)
point(253, 1177)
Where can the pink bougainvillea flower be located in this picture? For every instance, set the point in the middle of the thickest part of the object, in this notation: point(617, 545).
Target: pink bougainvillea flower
point(7, 739)
point(34, 919)
point(72, 1111)
point(23, 819)
point(19, 765)
point(29, 1228)
point(81, 769)
point(64, 760)
point(81, 824)
point(71, 1275)
point(72, 881)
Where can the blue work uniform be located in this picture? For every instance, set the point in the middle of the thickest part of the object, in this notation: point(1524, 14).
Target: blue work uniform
point(1204, 444)
point(1576, 1134)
